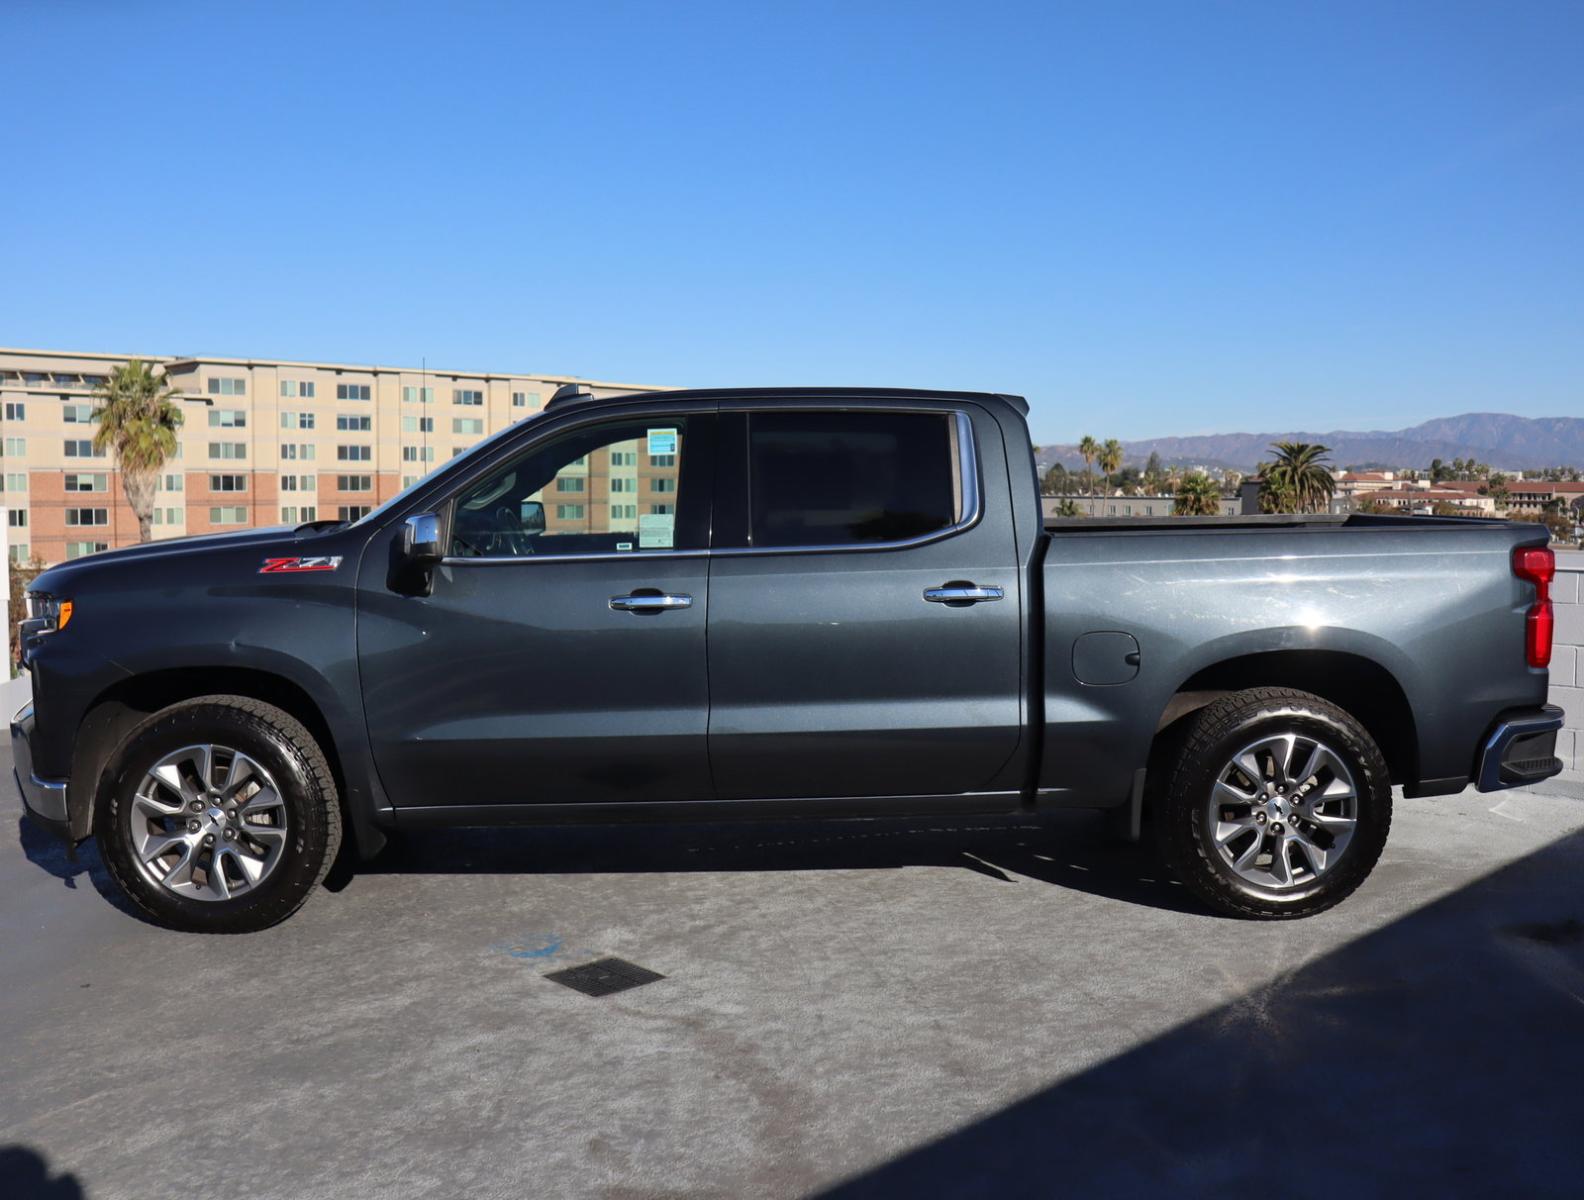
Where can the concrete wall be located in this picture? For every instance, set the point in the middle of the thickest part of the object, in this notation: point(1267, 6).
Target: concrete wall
point(1567, 671)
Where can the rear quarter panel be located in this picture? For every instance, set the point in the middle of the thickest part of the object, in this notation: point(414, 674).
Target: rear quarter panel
point(1438, 608)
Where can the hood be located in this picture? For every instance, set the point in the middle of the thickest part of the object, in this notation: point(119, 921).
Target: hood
point(61, 579)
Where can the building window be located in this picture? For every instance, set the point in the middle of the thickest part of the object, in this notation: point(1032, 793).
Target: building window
point(662, 460)
point(227, 418)
point(415, 395)
point(15, 446)
point(15, 410)
point(16, 481)
point(353, 512)
point(417, 424)
point(467, 425)
point(297, 451)
point(77, 414)
point(83, 549)
point(79, 448)
point(167, 516)
point(297, 420)
point(228, 483)
point(408, 481)
point(16, 518)
point(354, 483)
point(354, 424)
point(227, 449)
point(624, 458)
point(228, 387)
point(229, 515)
point(354, 453)
point(292, 389)
point(418, 454)
point(298, 483)
point(467, 396)
point(87, 516)
point(624, 512)
point(172, 483)
point(569, 512)
point(19, 552)
point(523, 399)
point(661, 486)
point(661, 510)
point(294, 515)
point(623, 485)
point(85, 481)
point(569, 483)
point(352, 391)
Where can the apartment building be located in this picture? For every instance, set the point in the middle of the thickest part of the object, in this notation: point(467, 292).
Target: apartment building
point(263, 443)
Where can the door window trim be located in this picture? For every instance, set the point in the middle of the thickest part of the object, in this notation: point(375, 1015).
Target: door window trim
point(968, 479)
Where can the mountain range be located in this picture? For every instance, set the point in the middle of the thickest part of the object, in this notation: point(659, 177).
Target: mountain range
point(1500, 439)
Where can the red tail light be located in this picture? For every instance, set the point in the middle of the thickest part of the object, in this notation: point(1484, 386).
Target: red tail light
point(1537, 565)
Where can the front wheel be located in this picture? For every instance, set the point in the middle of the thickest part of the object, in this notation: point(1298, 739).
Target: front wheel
point(222, 817)
point(1276, 804)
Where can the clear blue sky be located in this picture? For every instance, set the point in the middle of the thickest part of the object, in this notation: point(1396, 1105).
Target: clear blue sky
point(1150, 218)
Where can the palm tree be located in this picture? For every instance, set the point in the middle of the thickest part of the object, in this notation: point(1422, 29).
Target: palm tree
point(1110, 460)
point(1089, 449)
point(1197, 496)
point(138, 420)
point(1298, 479)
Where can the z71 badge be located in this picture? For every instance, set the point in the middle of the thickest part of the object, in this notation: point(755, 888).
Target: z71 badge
point(283, 566)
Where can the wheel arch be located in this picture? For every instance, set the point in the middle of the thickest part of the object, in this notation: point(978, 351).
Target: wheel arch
point(124, 706)
point(1353, 682)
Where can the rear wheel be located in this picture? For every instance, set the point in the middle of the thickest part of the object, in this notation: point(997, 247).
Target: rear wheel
point(1276, 804)
point(223, 816)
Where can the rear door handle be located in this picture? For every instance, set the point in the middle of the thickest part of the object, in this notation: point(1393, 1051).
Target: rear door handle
point(649, 602)
point(962, 593)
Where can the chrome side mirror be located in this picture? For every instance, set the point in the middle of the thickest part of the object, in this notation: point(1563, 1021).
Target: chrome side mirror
point(421, 540)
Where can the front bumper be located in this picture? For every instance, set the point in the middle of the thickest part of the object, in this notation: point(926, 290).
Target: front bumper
point(44, 799)
point(1520, 749)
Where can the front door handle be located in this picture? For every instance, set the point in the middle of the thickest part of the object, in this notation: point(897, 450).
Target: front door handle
point(643, 602)
point(962, 593)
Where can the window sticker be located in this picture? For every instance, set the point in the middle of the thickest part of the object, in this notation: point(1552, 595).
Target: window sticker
point(662, 441)
point(624, 545)
point(655, 531)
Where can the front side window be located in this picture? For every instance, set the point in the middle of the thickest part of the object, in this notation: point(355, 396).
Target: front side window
point(851, 478)
point(555, 499)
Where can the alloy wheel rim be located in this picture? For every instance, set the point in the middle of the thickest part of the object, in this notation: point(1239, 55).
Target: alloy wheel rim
point(1282, 811)
point(208, 823)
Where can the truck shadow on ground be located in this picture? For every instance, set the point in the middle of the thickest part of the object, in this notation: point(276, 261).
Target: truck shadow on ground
point(25, 1175)
point(1070, 850)
point(1440, 1055)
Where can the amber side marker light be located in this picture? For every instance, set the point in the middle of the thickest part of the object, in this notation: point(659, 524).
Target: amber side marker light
point(1536, 565)
point(65, 615)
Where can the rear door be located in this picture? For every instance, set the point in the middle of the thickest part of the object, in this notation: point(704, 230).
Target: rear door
point(864, 631)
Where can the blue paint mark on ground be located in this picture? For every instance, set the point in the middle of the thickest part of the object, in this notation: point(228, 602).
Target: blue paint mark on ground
point(531, 946)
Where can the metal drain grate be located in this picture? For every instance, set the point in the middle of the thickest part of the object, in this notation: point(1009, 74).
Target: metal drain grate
point(603, 977)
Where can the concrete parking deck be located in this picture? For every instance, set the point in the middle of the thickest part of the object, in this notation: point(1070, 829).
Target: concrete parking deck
point(890, 1008)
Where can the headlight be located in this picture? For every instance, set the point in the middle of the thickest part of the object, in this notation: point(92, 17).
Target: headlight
point(51, 612)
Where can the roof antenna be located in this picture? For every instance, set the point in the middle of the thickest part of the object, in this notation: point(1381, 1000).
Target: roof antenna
point(567, 393)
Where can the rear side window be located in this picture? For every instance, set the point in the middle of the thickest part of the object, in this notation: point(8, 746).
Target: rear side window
point(850, 478)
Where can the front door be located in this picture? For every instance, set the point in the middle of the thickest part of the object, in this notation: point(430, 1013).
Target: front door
point(560, 657)
point(865, 632)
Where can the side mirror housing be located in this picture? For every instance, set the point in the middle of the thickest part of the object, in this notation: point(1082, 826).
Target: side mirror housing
point(533, 517)
point(421, 540)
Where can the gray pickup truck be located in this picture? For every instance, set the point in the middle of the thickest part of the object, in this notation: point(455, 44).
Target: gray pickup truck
point(797, 602)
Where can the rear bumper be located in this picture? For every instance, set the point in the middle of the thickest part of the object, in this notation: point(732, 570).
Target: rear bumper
point(1520, 749)
point(44, 799)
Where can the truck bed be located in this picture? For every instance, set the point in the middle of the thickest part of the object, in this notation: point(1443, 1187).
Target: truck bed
point(1327, 521)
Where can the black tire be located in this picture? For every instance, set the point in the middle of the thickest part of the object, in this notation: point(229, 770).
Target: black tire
point(1206, 742)
point(286, 749)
